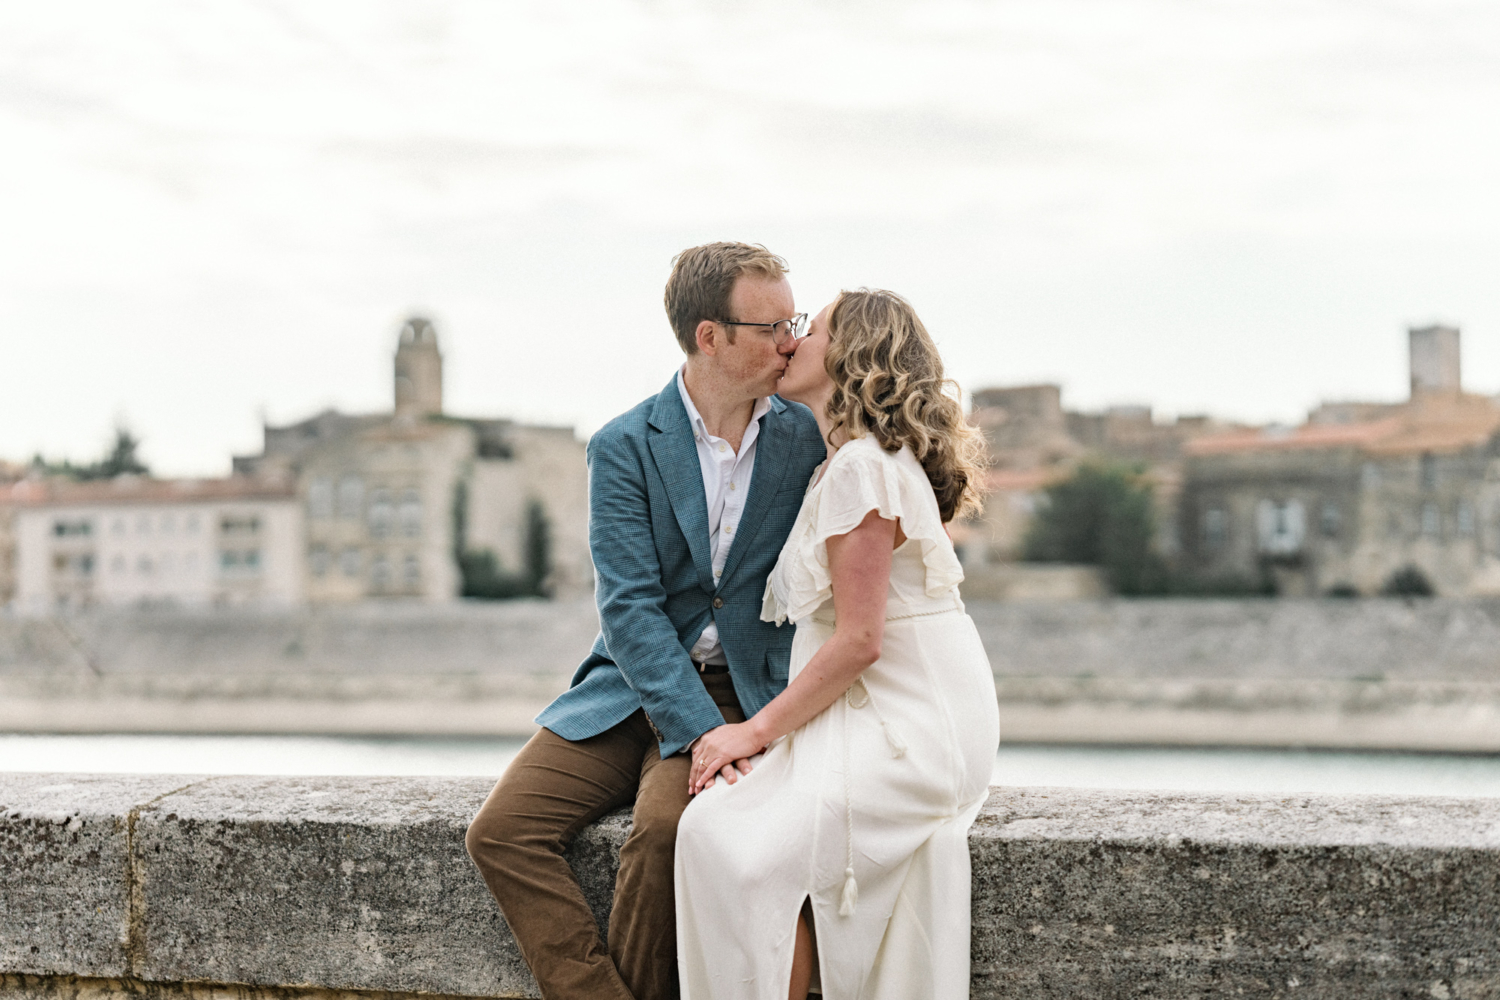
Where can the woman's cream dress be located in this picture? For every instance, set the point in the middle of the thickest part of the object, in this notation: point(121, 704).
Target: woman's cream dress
point(865, 809)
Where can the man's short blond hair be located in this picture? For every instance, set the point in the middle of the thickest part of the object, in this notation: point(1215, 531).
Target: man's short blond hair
point(702, 278)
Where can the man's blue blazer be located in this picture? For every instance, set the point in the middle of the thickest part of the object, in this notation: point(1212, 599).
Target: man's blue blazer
point(648, 534)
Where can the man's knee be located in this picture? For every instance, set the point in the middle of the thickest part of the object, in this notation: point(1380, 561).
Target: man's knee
point(498, 830)
point(481, 837)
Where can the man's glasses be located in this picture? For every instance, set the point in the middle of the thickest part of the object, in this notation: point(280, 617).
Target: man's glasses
point(781, 331)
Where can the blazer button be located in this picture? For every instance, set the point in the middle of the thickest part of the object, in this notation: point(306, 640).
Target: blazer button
point(718, 602)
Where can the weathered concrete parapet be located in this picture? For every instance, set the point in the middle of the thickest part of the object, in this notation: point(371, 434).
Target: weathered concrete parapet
point(251, 887)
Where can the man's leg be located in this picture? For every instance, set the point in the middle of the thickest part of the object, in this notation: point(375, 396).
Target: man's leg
point(553, 789)
point(643, 923)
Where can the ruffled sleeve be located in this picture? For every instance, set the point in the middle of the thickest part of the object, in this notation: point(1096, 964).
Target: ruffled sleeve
point(861, 477)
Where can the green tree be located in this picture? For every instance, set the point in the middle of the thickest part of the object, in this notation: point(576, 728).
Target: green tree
point(1101, 515)
point(481, 574)
point(121, 459)
point(538, 549)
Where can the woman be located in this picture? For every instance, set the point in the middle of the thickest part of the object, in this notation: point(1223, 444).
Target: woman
point(845, 851)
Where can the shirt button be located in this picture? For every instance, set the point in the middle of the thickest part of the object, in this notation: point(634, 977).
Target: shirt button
point(731, 486)
point(728, 529)
point(721, 447)
point(718, 602)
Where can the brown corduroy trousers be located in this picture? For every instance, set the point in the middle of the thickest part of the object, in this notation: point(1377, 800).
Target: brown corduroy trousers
point(551, 791)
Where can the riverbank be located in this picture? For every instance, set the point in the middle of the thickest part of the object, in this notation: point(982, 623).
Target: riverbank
point(1370, 674)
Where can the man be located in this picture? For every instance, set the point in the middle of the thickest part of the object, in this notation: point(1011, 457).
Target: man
point(691, 496)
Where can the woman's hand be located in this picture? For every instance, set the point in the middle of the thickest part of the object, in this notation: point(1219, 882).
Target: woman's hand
point(720, 751)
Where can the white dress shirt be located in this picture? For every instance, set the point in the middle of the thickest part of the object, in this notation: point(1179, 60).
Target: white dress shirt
point(726, 480)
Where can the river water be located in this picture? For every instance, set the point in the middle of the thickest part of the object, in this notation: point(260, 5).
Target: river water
point(1183, 769)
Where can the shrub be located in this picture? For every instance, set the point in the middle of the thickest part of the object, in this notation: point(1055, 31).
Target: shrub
point(1101, 515)
point(1408, 581)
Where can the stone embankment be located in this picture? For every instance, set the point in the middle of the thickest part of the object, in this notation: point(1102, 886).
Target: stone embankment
point(1369, 673)
point(334, 887)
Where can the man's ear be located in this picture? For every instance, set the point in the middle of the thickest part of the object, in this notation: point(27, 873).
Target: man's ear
point(707, 336)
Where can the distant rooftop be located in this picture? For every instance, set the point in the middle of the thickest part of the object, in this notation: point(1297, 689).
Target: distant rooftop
point(124, 490)
point(1429, 423)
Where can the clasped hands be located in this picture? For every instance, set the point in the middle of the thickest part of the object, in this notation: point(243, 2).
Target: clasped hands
point(725, 750)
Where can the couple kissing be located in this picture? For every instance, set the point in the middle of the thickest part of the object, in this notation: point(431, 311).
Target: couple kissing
point(785, 687)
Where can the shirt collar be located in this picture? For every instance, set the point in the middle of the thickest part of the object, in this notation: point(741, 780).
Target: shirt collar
point(762, 407)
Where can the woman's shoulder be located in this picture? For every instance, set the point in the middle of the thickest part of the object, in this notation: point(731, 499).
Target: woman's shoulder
point(867, 453)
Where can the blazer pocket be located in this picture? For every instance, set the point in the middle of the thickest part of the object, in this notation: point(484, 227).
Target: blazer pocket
point(779, 663)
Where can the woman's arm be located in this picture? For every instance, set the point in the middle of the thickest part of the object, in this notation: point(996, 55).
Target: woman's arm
point(860, 566)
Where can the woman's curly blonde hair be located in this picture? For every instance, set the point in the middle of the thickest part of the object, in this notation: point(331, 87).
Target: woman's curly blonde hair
point(888, 381)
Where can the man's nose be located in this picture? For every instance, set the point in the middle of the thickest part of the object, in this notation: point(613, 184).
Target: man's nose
point(788, 346)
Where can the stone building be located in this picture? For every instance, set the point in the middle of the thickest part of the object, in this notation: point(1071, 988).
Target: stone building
point(1358, 492)
point(392, 499)
point(1034, 442)
point(132, 540)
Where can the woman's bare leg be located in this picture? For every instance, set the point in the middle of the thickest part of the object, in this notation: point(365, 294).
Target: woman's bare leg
point(802, 955)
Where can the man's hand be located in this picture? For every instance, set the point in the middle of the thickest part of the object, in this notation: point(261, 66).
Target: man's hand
point(721, 751)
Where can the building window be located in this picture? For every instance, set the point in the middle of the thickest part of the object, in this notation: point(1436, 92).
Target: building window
point(240, 560)
point(320, 497)
point(1463, 516)
point(1431, 521)
point(240, 524)
point(411, 571)
point(380, 573)
point(1429, 472)
point(143, 524)
point(1329, 521)
point(143, 565)
point(1215, 528)
point(72, 529)
point(411, 514)
point(1281, 525)
point(351, 497)
point(319, 560)
point(382, 513)
point(1369, 475)
point(350, 562)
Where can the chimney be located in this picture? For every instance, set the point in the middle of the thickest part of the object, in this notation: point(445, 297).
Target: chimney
point(1434, 361)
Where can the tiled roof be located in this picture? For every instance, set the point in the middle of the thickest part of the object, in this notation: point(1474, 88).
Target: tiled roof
point(138, 490)
point(1426, 424)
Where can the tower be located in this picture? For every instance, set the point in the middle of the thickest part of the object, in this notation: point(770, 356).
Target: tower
point(1434, 360)
point(419, 370)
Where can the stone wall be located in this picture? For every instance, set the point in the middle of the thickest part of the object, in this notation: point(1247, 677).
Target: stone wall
point(251, 887)
point(1334, 673)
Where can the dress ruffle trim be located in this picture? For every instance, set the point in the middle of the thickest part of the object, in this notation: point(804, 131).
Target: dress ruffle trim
point(860, 477)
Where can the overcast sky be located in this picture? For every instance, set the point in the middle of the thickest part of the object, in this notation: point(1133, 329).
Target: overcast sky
point(214, 211)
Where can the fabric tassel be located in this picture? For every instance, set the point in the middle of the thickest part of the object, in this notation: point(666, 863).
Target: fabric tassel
point(850, 898)
point(898, 746)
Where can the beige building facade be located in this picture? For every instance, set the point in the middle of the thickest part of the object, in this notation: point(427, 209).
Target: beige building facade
point(135, 541)
point(392, 501)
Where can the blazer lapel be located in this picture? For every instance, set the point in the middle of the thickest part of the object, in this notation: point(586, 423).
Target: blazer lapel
point(677, 463)
point(772, 449)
